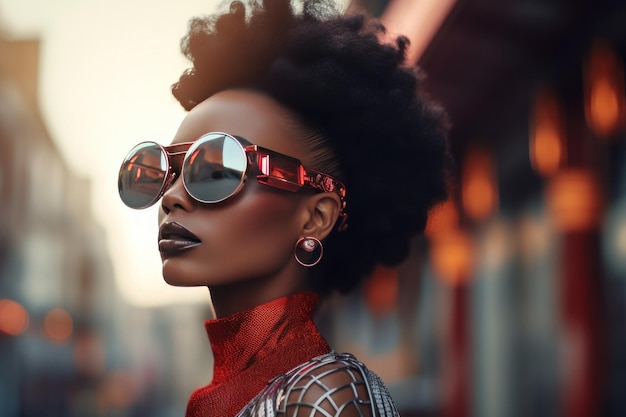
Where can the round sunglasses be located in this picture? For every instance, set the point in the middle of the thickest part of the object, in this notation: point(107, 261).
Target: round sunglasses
point(213, 169)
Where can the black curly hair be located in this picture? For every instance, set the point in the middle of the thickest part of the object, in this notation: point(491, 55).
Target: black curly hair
point(370, 123)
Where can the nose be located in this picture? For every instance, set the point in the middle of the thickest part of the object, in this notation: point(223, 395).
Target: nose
point(176, 197)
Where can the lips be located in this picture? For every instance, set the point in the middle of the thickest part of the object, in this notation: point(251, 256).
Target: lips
point(174, 239)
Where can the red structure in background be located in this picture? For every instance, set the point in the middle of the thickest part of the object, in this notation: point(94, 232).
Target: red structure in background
point(486, 64)
point(457, 378)
point(576, 202)
point(584, 374)
point(452, 258)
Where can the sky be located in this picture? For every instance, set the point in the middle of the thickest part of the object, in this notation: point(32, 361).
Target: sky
point(105, 76)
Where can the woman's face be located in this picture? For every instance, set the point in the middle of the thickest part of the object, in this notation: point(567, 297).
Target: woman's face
point(251, 235)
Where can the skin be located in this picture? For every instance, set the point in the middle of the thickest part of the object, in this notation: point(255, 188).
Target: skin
point(246, 255)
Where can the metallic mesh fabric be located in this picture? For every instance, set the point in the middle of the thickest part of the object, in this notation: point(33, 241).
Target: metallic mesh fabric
point(330, 385)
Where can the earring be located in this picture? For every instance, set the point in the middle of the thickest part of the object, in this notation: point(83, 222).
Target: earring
point(308, 251)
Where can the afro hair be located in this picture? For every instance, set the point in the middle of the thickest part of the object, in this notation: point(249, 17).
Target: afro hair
point(372, 125)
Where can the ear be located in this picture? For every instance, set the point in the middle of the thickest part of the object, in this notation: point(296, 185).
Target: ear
point(322, 211)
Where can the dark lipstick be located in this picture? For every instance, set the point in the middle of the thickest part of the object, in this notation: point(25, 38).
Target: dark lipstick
point(175, 239)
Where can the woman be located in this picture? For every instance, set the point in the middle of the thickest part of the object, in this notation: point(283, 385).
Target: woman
point(307, 157)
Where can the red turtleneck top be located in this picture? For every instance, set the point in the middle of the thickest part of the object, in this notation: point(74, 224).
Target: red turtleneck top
point(254, 346)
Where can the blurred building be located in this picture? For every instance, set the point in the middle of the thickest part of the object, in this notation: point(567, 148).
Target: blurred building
point(57, 293)
point(515, 302)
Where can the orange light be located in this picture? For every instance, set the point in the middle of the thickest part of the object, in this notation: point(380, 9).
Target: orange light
point(451, 251)
point(479, 192)
point(442, 218)
point(58, 325)
point(452, 257)
point(13, 318)
point(574, 200)
point(605, 107)
point(547, 133)
point(381, 290)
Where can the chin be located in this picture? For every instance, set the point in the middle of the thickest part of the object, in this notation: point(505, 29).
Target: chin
point(178, 277)
point(187, 274)
point(177, 282)
point(174, 281)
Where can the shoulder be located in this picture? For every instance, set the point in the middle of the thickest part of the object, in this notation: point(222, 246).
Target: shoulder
point(334, 384)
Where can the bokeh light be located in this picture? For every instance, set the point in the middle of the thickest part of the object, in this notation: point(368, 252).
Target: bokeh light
point(605, 102)
point(547, 134)
point(453, 256)
point(14, 318)
point(479, 188)
point(442, 218)
point(574, 200)
point(381, 290)
point(58, 325)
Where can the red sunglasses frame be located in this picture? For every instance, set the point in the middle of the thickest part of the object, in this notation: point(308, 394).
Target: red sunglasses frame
point(274, 169)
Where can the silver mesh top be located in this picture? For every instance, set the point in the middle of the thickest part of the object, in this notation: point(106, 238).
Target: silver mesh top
point(331, 385)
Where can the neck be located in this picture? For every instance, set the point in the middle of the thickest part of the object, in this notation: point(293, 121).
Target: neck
point(234, 298)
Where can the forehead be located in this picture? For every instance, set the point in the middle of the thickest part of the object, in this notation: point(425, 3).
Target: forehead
point(252, 115)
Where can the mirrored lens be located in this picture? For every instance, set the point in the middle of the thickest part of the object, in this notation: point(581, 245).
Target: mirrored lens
point(214, 168)
point(142, 175)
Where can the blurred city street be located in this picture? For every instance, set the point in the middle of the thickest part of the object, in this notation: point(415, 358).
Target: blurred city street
point(513, 304)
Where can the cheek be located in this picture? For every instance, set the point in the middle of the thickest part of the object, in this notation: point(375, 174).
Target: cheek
point(269, 222)
point(252, 237)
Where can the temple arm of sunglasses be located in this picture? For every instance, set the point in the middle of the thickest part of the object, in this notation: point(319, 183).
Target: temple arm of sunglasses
point(288, 173)
point(275, 169)
point(324, 182)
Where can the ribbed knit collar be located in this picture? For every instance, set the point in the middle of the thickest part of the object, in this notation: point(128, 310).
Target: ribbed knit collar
point(245, 338)
point(252, 347)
